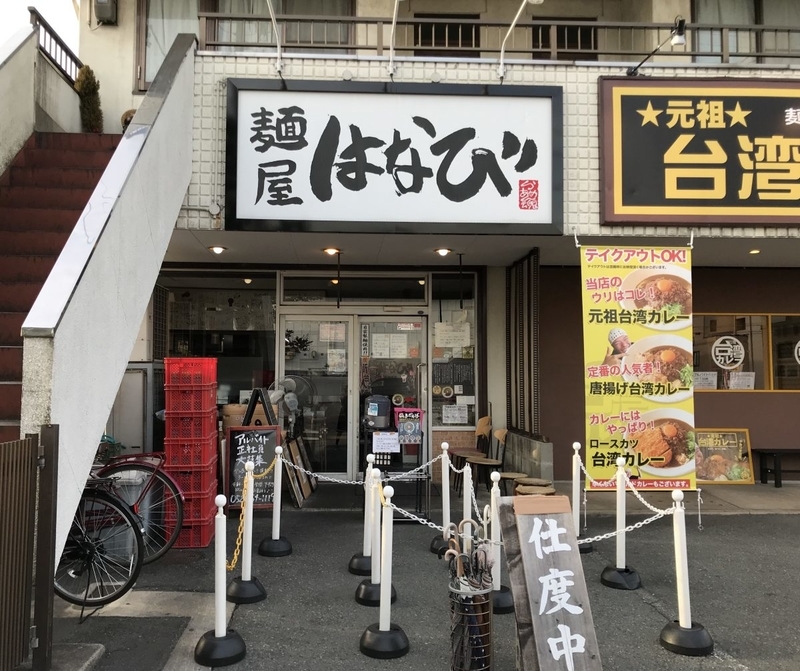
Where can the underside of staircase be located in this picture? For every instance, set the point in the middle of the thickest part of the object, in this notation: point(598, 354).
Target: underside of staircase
point(42, 194)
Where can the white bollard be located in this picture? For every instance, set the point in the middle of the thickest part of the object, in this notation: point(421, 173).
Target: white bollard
point(681, 561)
point(383, 639)
point(440, 543)
point(684, 637)
point(386, 562)
point(360, 562)
point(576, 487)
point(277, 546)
point(376, 526)
point(620, 576)
point(466, 541)
point(502, 599)
point(221, 646)
point(247, 589)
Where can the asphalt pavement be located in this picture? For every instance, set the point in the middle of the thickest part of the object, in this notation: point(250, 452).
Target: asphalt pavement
point(745, 587)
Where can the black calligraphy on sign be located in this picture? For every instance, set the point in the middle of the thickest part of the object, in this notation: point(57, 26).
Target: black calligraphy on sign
point(287, 131)
point(256, 444)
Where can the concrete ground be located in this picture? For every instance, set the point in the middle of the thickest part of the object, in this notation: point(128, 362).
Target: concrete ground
point(742, 568)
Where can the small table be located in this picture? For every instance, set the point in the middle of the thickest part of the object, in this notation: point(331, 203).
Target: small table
point(777, 468)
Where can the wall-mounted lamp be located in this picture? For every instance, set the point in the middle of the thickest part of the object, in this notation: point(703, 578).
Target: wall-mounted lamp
point(443, 251)
point(501, 68)
point(677, 37)
point(217, 249)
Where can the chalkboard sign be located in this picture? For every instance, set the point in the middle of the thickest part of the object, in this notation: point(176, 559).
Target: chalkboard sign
point(256, 444)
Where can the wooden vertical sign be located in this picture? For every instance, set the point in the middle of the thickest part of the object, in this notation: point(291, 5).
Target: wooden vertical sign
point(554, 619)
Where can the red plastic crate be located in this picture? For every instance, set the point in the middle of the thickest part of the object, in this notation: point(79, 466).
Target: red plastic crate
point(190, 397)
point(187, 452)
point(195, 508)
point(197, 535)
point(193, 370)
point(190, 424)
point(196, 480)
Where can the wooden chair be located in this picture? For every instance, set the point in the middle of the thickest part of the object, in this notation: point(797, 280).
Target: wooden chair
point(494, 462)
point(459, 455)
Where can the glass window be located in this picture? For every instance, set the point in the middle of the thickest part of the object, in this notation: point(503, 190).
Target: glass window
point(785, 352)
point(166, 19)
point(453, 391)
point(443, 39)
point(725, 12)
point(354, 289)
point(730, 352)
point(227, 319)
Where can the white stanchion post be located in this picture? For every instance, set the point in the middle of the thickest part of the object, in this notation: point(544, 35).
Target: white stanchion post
point(684, 636)
point(621, 513)
point(440, 543)
point(576, 487)
point(681, 561)
point(502, 599)
point(247, 589)
point(360, 562)
point(620, 576)
point(221, 646)
point(247, 534)
point(385, 640)
point(466, 542)
point(376, 526)
point(277, 545)
point(386, 562)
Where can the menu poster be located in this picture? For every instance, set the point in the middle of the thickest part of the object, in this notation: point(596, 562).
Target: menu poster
point(409, 425)
point(723, 457)
point(638, 365)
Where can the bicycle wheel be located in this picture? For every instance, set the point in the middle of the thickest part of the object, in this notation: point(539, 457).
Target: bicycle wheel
point(103, 553)
point(154, 498)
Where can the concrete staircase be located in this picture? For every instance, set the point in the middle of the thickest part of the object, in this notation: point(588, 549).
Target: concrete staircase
point(42, 194)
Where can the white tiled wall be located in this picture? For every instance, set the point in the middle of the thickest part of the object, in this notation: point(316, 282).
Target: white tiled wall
point(581, 145)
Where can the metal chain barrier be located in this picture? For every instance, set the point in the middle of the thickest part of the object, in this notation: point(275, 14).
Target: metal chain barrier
point(418, 469)
point(699, 514)
point(265, 473)
point(230, 565)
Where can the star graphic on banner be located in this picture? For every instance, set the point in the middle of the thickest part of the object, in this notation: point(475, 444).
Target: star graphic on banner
point(650, 115)
point(737, 115)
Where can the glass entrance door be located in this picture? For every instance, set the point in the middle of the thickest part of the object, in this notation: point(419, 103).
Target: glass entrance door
point(315, 381)
point(393, 363)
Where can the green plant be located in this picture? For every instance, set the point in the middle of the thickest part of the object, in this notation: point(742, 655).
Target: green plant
point(88, 89)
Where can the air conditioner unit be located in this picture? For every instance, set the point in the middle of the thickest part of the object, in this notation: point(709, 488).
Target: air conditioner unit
point(105, 11)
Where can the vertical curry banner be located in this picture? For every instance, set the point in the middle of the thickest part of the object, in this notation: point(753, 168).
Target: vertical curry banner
point(638, 365)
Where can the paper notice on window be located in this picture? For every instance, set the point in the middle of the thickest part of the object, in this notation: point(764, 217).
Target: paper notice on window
point(398, 346)
point(455, 414)
point(451, 335)
point(337, 360)
point(705, 379)
point(385, 441)
point(465, 400)
point(332, 332)
point(742, 380)
point(381, 346)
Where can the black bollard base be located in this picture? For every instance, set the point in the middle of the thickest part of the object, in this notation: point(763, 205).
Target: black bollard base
point(212, 651)
point(384, 644)
point(360, 564)
point(270, 547)
point(368, 593)
point(585, 548)
point(245, 591)
point(616, 578)
point(438, 544)
point(502, 601)
point(694, 642)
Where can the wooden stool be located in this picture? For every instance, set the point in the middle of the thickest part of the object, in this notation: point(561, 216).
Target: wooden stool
point(533, 482)
point(505, 477)
point(530, 490)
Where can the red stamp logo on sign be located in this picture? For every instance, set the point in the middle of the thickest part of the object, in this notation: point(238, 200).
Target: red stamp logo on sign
point(529, 194)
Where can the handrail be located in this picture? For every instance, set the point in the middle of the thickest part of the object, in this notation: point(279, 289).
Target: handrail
point(56, 50)
point(531, 39)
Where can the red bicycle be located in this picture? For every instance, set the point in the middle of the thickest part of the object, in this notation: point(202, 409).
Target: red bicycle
point(153, 496)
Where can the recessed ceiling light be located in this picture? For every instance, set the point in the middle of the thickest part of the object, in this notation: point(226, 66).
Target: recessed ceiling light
point(331, 251)
point(217, 249)
point(421, 281)
point(247, 280)
point(334, 281)
point(755, 251)
point(443, 251)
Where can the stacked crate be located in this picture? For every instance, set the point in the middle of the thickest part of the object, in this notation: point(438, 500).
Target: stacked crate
point(190, 443)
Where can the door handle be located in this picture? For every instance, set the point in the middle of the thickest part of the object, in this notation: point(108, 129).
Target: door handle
point(420, 387)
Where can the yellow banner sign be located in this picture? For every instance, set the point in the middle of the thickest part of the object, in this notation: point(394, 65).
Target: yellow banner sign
point(638, 365)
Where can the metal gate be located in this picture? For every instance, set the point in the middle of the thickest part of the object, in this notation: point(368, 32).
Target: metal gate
point(18, 466)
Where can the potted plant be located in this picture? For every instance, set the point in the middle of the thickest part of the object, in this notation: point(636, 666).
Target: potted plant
point(295, 344)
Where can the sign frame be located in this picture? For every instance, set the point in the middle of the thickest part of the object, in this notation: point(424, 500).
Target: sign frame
point(741, 434)
point(287, 86)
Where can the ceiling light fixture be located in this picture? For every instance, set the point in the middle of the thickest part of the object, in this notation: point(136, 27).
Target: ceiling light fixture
point(443, 251)
point(755, 251)
point(247, 280)
point(331, 251)
point(217, 249)
point(422, 282)
point(334, 281)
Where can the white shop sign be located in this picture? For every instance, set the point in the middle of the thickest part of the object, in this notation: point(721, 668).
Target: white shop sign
point(340, 156)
